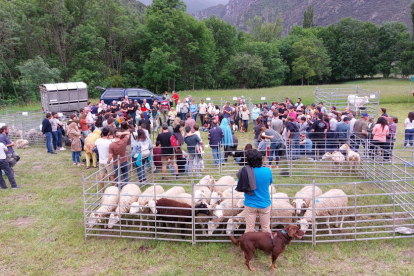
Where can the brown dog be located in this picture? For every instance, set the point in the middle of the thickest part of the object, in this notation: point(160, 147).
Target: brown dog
point(269, 243)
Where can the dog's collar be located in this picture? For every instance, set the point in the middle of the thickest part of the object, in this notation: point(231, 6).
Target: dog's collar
point(285, 234)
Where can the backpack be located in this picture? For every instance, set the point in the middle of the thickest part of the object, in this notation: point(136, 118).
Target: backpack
point(174, 141)
point(68, 142)
point(145, 152)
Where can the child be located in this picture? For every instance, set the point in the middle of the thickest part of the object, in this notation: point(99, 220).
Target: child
point(171, 115)
point(263, 146)
point(199, 149)
point(235, 127)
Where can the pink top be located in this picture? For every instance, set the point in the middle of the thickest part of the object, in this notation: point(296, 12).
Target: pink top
point(293, 115)
point(379, 133)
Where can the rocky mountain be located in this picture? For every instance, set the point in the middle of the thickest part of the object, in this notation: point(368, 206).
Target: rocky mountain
point(195, 5)
point(326, 12)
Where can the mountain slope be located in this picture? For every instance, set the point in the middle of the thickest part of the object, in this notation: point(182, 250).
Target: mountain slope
point(195, 5)
point(326, 12)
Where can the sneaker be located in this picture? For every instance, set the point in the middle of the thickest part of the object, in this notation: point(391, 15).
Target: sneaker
point(53, 153)
point(62, 148)
point(276, 167)
point(16, 187)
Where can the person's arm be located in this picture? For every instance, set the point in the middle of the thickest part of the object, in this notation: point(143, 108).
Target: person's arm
point(5, 148)
point(11, 144)
point(288, 134)
point(110, 155)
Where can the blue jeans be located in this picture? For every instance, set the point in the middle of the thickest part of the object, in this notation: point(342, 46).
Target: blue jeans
point(194, 116)
point(54, 139)
point(4, 165)
point(182, 115)
point(409, 136)
point(76, 157)
point(49, 145)
point(59, 138)
point(274, 152)
point(141, 170)
point(295, 147)
point(124, 173)
point(246, 123)
point(217, 155)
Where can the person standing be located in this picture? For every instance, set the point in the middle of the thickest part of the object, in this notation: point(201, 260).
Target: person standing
point(360, 131)
point(54, 124)
point(245, 117)
point(409, 130)
point(299, 103)
point(202, 110)
point(11, 156)
point(323, 109)
point(293, 135)
point(254, 180)
point(75, 146)
point(167, 151)
point(332, 132)
point(380, 132)
point(227, 111)
point(392, 136)
point(193, 156)
point(343, 131)
point(89, 148)
point(319, 129)
point(102, 144)
point(59, 132)
point(175, 97)
point(255, 114)
point(275, 145)
point(117, 155)
point(215, 137)
point(193, 110)
point(276, 124)
point(141, 152)
point(4, 165)
point(190, 122)
point(165, 108)
point(184, 109)
point(227, 140)
point(47, 132)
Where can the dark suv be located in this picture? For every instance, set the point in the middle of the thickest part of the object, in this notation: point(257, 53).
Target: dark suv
point(113, 94)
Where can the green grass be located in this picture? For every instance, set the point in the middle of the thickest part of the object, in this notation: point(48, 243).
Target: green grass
point(42, 233)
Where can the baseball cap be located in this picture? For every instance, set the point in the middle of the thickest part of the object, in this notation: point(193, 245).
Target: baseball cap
point(364, 115)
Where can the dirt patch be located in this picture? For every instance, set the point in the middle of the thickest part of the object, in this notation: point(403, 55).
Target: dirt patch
point(37, 168)
point(408, 253)
point(150, 271)
point(143, 249)
point(23, 222)
point(69, 200)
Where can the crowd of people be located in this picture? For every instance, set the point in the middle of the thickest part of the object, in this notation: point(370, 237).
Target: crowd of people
point(114, 135)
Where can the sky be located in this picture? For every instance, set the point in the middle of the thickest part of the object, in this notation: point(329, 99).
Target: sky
point(195, 5)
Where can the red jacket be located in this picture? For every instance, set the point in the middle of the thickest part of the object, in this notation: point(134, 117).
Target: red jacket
point(175, 97)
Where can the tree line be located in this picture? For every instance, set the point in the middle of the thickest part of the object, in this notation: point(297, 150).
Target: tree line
point(120, 43)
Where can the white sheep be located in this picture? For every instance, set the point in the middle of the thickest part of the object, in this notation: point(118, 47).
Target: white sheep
point(282, 213)
point(129, 194)
point(227, 208)
point(209, 181)
point(22, 144)
point(215, 198)
point(337, 159)
point(109, 202)
point(141, 207)
point(224, 183)
point(304, 197)
point(232, 193)
point(202, 193)
point(172, 192)
point(31, 134)
point(333, 202)
point(353, 158)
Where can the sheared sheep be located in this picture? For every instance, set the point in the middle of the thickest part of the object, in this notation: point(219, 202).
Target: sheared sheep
point(337, 159)
point(22, 144)
point(334, 199)
point(129, 194)
point(141, 207)
point(352, 157)
point(109, 202)
point(224, 183)
point(227, 208)
point(304, 197)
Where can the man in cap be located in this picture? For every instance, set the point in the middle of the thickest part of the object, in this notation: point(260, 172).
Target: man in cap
point(360, 131)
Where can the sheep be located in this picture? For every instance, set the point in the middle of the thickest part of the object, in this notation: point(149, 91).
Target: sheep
point(335, 199)
point(31, 135)
point(352, 157)
point(182, 211)
point(224, 183)
point(140, 207)
point(202, 216)
point(232, 193)
point(304, 197)
point(227, 208)
point(22, 144)
point(129, 194)
point(215, 198)
point(209, 181)
point(172, 192)
point(235, 222)
point(202, 193)
point(336, 157)
point(108, 204)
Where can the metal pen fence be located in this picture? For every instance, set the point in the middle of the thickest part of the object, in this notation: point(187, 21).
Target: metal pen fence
point(380, 200)
point(357, 99)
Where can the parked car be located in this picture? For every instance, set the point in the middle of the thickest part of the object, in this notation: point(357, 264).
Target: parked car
point(114, 94)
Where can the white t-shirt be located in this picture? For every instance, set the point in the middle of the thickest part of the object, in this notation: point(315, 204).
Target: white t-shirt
point(203, 108)
point(409, 125)
point(245, 115)
point(103, 148)
point(3, 150)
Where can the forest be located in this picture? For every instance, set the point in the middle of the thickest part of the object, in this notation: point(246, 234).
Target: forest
point(121, 43)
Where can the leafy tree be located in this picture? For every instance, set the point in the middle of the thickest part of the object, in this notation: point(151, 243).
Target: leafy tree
point(264, 30)
point(35, 72)
point(308, 18)
point(245, 70)
point(311, 60)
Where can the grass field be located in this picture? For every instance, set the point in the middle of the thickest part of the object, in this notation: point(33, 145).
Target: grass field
point(42, 233)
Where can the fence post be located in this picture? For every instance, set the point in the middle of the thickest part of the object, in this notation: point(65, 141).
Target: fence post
point(313, 214)
point(193, 214)
point(290, 159)
point(155, 215)
point(119, 174)
point(355, 210)
point(84, 206)
point(393, 209)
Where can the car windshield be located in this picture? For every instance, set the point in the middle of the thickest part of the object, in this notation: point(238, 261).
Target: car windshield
point(113, 94)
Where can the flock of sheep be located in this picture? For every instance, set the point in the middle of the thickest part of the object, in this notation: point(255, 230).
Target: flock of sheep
point(338, 159)
point(215, 204)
